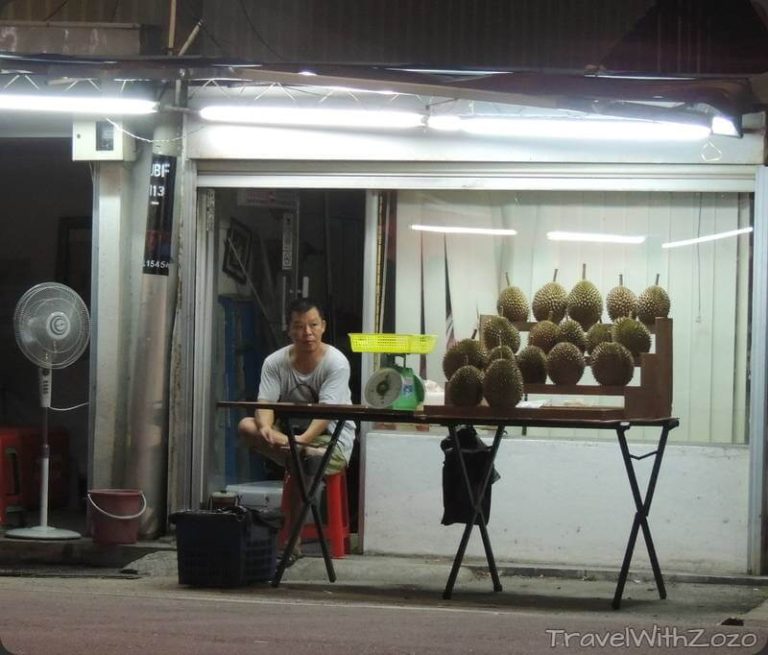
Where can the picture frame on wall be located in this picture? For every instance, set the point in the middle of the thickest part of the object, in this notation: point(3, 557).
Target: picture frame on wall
point(73, 255)
point(237, 251)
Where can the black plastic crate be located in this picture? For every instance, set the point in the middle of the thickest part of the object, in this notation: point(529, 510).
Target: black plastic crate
point(223, 548)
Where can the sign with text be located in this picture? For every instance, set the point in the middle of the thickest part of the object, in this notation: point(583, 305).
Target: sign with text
point(157, 243)
point(289, 225)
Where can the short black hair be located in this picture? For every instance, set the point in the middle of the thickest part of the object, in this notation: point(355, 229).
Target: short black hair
point(302, 306)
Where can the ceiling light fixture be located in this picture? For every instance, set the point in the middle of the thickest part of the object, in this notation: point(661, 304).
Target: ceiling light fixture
point(598, 129)
point(595, 237)
point(708, 237)
point(309, 117)
point(446, 229)
point(77, 104)
point(726, 126)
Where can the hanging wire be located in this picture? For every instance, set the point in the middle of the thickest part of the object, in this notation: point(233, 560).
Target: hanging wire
point(69, 409)
point(199, 20)
point(56, 11)
point(257, 34)
point(120, 128)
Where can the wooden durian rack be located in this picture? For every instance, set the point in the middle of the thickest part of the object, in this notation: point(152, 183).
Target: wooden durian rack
point(651, 399)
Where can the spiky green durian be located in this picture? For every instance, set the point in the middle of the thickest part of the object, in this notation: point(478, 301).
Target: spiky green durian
point(598, 333)
point(543, 335)
point(621, 302)
point(500, 352)
point(565, 364)
point(585, 304)
point(570, 331)
point(498, 331)
point(549, 302)
point(612, 364)
point(466, 351)
point(502, 384)
point(653, 302)
point(465, 388)
point(632, 334)
point(532, 362)
point(512, 304)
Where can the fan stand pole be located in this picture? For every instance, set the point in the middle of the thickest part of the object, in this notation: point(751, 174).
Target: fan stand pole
point(43, 531)
point(45, 459)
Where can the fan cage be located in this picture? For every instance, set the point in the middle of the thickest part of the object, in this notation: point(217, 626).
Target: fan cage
point(40, 312)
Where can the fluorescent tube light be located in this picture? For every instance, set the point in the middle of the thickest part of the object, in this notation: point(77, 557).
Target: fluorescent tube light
point(445, 229)
point(445, 123)
point(312, 117)
point(708, 237)
point(595, 237)
point(598, 129)
point(725, 126)
point(77, 104)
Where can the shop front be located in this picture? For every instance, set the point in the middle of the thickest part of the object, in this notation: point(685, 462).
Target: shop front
point(283, 211)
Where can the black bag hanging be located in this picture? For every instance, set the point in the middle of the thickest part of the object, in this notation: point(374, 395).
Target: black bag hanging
point(457, 508)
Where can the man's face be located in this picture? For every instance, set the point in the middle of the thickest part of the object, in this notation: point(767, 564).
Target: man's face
point(306, 330)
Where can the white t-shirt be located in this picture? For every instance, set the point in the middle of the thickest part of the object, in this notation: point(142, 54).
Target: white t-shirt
point(328, 383)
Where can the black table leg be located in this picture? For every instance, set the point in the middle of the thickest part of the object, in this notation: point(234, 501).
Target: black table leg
point(642, 508)
point(308, 502)
point(476, 502)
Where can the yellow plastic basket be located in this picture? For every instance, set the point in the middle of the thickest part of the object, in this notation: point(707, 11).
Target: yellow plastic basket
point(369, 342)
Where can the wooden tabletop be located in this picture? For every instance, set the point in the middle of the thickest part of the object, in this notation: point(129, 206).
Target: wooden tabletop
point(606, 418)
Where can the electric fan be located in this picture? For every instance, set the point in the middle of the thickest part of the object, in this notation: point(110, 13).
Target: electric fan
point(52, 327)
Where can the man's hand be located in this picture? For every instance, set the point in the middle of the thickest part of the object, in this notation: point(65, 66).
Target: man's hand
point(270, 435)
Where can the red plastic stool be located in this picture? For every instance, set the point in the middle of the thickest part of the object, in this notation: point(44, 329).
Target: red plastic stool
point(336, 526)
point(10, 479)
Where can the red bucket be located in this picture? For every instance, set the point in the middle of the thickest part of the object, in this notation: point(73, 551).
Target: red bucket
point(115, 515)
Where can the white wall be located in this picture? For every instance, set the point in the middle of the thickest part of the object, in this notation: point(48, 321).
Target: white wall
point(564, 502)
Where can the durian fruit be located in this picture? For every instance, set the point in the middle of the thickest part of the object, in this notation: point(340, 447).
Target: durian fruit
point(532, 362)
point(620, 301)
point(653, 302)
point(612, 364)
point(465, 388)
point(598, 333)
point(570, 331)
point(631, 334)
point(466, 351)
point(512, 304)
point(565, 364)
point(543, 334)
point(498, 331)
point(549, 302)
point(500, 352)
point(503, 384)
point(585, 304)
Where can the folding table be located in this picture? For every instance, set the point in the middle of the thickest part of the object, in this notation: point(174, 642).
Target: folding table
point(452, 417)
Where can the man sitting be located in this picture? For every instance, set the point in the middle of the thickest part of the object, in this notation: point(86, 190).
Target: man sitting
point(306, 371)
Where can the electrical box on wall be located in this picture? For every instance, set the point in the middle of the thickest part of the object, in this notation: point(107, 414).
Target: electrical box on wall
point(101, 140)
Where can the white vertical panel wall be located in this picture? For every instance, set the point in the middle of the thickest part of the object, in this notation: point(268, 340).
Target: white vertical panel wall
point(702, 280)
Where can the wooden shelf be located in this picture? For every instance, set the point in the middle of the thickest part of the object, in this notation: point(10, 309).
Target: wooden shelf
point(651, 399)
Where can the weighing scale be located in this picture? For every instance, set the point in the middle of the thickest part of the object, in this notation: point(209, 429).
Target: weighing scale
point(393, 385)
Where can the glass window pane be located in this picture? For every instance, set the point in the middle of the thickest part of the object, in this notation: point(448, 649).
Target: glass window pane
point(708, 282)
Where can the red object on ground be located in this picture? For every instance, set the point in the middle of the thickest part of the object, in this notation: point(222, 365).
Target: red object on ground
point(30, 445)
point(336, 526)
point(10, 477)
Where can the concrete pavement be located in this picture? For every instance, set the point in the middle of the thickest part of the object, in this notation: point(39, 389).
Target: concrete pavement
point(127, 599)
point(379, 604)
